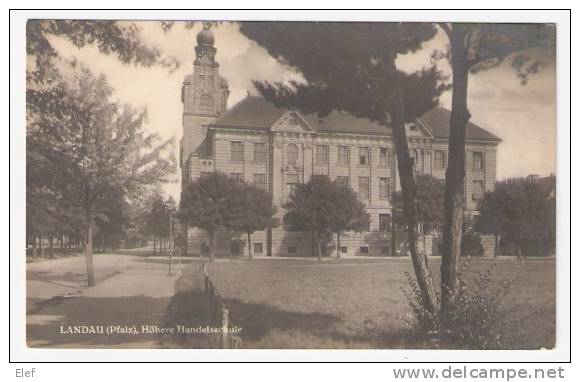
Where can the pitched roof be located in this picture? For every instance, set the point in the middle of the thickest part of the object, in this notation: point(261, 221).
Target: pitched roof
point(437, 120)
point(259, 114)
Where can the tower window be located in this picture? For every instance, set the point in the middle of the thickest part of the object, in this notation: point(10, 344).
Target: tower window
point(205, 101)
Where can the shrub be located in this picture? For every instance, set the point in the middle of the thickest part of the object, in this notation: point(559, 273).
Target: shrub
point(471, 244)
point(480, 318)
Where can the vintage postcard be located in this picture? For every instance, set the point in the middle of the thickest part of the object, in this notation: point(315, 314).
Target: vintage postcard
point(290, 185)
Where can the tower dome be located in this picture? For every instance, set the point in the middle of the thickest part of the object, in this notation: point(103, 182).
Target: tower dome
point(205, 36)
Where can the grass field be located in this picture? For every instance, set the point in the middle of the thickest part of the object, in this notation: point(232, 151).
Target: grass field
point(352, 303)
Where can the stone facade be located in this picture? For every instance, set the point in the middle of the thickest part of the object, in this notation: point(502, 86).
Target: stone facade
point(277, 148)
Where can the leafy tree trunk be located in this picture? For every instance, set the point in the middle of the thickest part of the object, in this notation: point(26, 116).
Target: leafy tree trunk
point(154, 245)
point(50, 246)
point(249, 245)
point(338, 244)
point(211, 235)
point(89, 250)
point(453, 203)
point(410, 212)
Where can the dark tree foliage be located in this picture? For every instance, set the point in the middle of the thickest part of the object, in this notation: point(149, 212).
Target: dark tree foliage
point(252, 209)
point(206, 204)
point(347, 66)
point(430, 192)
point(349, 213)
point(111, 37)
point(316, 206)
point(351, 67)
point(522, 213)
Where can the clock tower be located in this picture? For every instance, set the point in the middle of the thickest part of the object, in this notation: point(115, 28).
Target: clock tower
point(204, 95)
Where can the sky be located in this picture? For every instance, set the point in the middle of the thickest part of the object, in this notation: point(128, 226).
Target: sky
point(523, 116)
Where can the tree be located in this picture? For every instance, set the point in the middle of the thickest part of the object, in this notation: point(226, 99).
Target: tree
point(473, 48)
point(251, 210)
point(521, 212)
point(430, 192)
point(317, 207)
point(351, 67)
point(111, 37)
point(349, 213)
point(206, 204)
point(94, 147)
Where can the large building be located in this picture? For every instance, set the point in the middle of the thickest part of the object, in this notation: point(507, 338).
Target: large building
point(277, 148)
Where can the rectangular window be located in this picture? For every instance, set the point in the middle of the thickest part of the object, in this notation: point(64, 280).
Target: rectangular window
point(292, 249)
point(343, 250)
point(384, 222)
point(440, 160)
point(321, 155)
point(478, 161)
point(343, 155)
point(363, 156)
point(363, 187)
point(237, 151)
point(384, 157)
point(364, 249)
point(260, 180)
point(258, 248)
point(238, 176)
point(477, 190)
point(342, 179)
point(384, 188)
point(291, 182)
point(260, 153)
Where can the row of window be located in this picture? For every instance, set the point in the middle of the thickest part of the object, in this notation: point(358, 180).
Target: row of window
point(237, 152)
point(320, 156)
point(363, 185)
point(343, 158)
point(477, 156)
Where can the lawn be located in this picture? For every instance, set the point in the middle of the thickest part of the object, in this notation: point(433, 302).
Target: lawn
point(350, 303)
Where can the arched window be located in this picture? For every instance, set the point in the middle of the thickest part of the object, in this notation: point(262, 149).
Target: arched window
point(292, 153)
point(205, 101)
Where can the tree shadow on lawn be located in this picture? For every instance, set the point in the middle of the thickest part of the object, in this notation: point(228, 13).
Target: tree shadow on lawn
point(43, 328)
point(262, 326)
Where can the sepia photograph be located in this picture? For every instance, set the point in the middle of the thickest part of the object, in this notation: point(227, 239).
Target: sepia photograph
point(234, 184)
